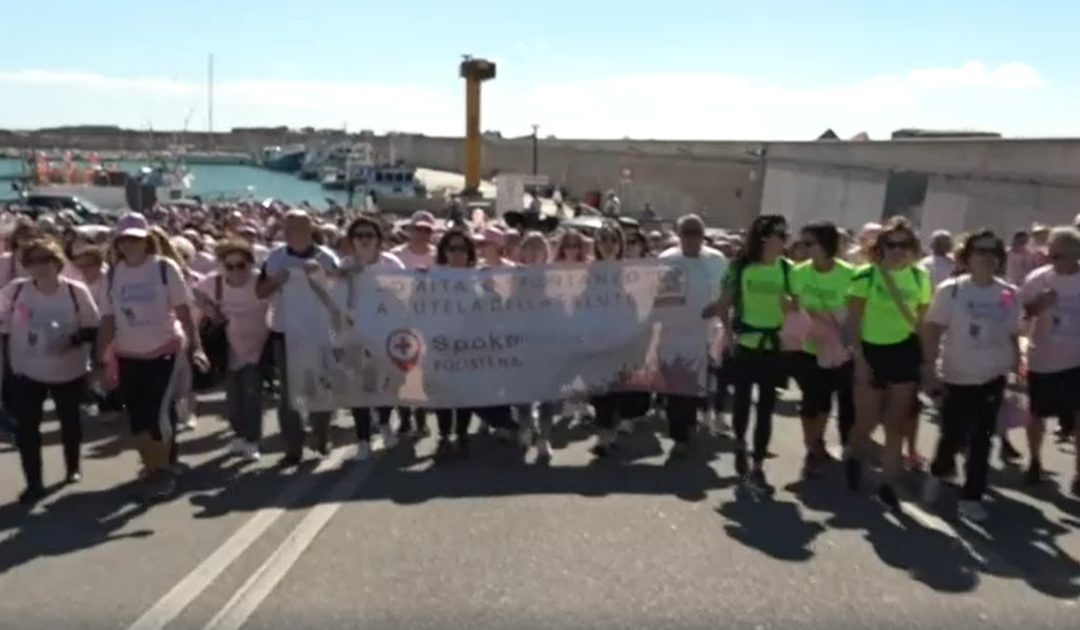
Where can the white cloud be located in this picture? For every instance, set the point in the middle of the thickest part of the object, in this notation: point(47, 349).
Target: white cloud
point(676, 105)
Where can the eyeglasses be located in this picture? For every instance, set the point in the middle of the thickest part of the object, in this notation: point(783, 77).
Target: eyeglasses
point(456, 249)
point(904, 244)
point(363, 236)
point(237, 266)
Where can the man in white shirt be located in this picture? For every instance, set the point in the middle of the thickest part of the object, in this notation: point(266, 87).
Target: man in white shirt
point(418, 253)
point(940, 263)
point(705, 268)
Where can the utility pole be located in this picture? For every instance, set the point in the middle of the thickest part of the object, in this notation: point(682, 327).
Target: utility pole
point(535, 148)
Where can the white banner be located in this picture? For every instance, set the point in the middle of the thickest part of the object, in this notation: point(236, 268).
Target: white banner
point(472, 338)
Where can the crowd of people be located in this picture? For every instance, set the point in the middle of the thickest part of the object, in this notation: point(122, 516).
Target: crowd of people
point(132, 319)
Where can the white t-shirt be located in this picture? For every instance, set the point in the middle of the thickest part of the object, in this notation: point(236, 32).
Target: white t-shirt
point(41, 326)
point(144, 306)
point(284, 258)
point(940, 268)
point(705, 271)
point(980, 323)
point(412, 260)
point(1055, 340)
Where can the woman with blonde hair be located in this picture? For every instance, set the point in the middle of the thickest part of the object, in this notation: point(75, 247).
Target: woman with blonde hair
point(536, 428)
point(49, 322)
point(888, 299)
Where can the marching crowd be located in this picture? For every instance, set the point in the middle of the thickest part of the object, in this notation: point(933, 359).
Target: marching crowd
point(134, 318)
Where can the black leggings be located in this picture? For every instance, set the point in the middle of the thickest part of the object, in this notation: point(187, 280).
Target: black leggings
point(607, 410)
point(28, 411)
point(454, 421)
point(766, 370)
point(148, 391)
point(362, 419)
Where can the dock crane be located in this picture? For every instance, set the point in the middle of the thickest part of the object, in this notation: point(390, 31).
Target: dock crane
point(474, 71)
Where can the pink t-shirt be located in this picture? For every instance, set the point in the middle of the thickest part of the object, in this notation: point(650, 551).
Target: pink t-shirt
point(10, 269)
point(145, 307)
point(1055, 339)
point(247, 328)
point(40, 327)
point(412, 260)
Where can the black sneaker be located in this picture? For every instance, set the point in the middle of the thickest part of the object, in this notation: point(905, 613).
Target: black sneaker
point(73, 477)
point(741, 464)
point(1008, 452)
point(853, 473)
point(1034, 474)
point(462, 447)
point(811, 466)
point(600, 450)
point(290, 460)
point(887, 496)
point(758, 482)
point(31, 495)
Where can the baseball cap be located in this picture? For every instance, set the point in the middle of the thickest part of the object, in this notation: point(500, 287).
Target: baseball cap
point(422, 218)
point(133, 225)
point(492, 235)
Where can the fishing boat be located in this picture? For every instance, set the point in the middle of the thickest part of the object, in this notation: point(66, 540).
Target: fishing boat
point(333, 178)
point(283, 159)
point(396, 181)
point(106, 185)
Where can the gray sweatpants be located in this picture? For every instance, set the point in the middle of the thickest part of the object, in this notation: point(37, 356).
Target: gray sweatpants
point(292, 425)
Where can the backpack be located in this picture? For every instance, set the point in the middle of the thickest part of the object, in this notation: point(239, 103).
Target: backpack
point(740, 326)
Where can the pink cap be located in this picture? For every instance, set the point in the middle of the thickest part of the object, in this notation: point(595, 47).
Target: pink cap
point(492, 235)
point(423, 218)
point(133, 225)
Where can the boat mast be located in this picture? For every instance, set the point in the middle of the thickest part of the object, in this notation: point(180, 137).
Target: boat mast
point(210, 101)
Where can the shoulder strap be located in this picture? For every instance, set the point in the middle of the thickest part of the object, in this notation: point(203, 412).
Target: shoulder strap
point(163, 270)
point(736, 297)
point(898, 300)
point(20, 284)
point(785, 266)
point(219, 288)
point(74, 298)
point(109, 282)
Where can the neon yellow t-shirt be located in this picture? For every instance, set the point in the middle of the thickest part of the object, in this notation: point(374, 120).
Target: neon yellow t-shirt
point(882, 321)
point(762, 294)
point(823, 292)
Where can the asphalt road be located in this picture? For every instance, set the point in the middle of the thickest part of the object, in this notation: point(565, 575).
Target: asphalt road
point(499, 542)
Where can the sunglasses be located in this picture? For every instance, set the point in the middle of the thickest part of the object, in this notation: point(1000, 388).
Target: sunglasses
point(456, 249)
point(808, 242)
point(904, 244)
point(40, 260)
point(363, 236)
point(984, 249)
point(237, 266)
point(780, 234)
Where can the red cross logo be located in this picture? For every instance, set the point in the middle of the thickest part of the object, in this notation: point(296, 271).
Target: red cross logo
point(404, 348)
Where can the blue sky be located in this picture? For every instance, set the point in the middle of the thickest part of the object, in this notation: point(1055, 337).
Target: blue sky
point(679, 69)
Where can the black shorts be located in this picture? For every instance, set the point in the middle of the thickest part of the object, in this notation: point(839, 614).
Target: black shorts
point(148, 391)
point(894, 364)
point(1054, 393)
point(818, 384)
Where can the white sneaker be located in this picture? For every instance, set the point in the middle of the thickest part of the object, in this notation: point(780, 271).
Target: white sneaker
point(251, 452)
point(930, 490)
point(363, 451)
point(626, 427)
point(88, 410)
point(972, 511)
point(189, 424)
point(389, 438)
point(237, 446)
point(525, 437)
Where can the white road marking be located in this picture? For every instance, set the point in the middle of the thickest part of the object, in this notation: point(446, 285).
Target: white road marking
point(255, 590)
point(193, 584)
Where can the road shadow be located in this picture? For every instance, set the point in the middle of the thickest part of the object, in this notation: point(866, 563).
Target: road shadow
point(71, 523)
point(776, 528)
